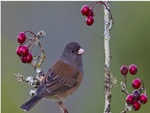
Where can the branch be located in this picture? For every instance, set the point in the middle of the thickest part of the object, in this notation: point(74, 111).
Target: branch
point(36, 62)
point(62, 107)
point(124, 90)
point(126, 108)
point(108, 22)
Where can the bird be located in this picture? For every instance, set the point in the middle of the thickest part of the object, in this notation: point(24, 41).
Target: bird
point(62, 79)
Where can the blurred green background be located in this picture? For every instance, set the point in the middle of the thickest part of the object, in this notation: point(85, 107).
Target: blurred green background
point(63, 22)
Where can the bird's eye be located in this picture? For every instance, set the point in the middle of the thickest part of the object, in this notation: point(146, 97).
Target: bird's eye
point(72, 51)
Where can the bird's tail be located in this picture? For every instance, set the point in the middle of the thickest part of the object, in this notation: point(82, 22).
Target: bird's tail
point(31, 103)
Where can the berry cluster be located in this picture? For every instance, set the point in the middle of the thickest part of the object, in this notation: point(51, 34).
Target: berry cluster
point(132, 69)
point(23, 50)
point(136, 98)
point(88, 12)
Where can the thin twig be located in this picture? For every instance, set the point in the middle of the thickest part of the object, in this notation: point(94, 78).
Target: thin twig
point(124, 90)
point(36, 65)
point(124, 86)
point(126, 108)
point(63, 108)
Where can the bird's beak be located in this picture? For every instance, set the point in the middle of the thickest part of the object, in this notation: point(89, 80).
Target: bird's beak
point(80, 51)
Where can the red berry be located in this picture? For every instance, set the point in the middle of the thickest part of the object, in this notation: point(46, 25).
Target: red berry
point(21, 38)
point(136, 95)
point(24, 50)
point(133, 69)
point(18, 50)
point(27, 59)
point(136, 106)
point(124, 70)
point(91, 13)
point(24, 59)
point(89, 20)
point(143, 98)
point(129, 99)
point(85, 10)
point(136, 83)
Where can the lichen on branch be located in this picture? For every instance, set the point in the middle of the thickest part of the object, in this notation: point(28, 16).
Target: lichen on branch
point(109, 79)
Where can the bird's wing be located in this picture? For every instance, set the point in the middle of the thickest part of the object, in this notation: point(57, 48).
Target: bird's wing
point(58, 78)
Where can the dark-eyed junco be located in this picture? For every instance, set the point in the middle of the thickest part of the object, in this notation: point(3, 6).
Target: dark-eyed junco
point(62, 79)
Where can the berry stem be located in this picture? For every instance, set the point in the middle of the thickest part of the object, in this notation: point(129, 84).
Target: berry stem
point(144, 90)
point(98, 9)
point(30, 32)
point(31, 44)
point(142, 83)
point(43, 56)
point(36, 65)
point(27, 40)
point(36, 39)
point(142, 87)
point(124, 86)
point(94, 3)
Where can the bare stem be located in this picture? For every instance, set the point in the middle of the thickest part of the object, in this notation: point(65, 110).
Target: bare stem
point(124, 90)
point(43, 56)
point(62, 107)
point(126, 108)
point(108, 22)
point(36, 65)
point(124, 86)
